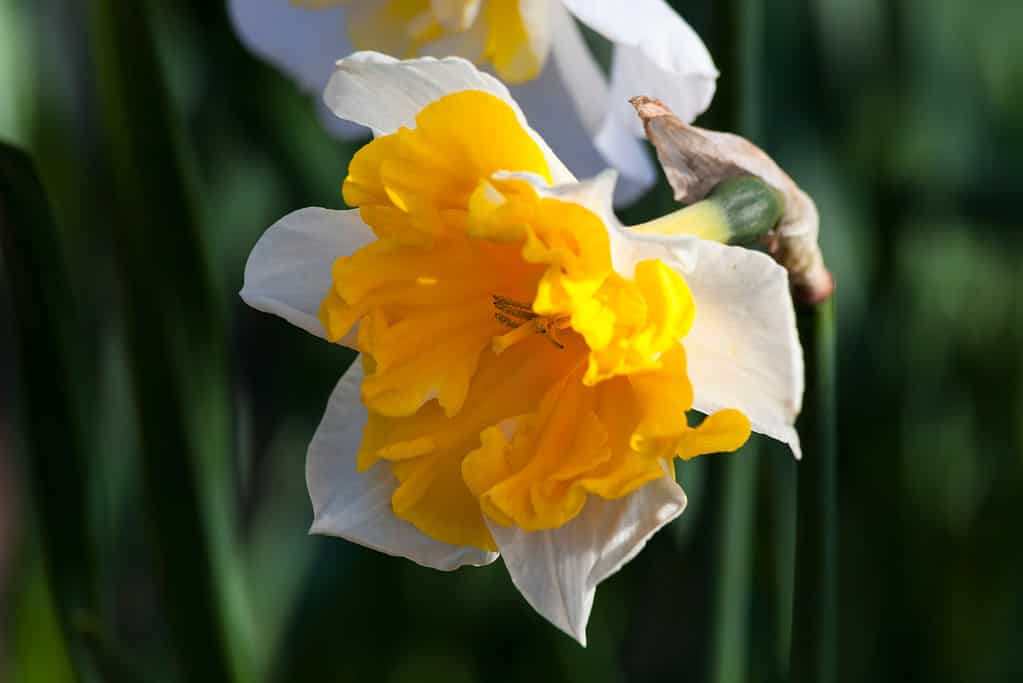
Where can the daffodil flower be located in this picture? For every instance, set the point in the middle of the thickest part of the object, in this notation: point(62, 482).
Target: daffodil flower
point(527, 362)
point(535, 44)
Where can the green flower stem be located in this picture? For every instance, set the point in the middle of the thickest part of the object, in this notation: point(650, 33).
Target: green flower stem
point(782, 511)
point(740, 52)
point(813, 628)
point(50, 407)
point(735, 566)
point(177, 352)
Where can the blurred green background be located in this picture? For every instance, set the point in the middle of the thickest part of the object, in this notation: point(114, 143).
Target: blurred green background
point(152, 440)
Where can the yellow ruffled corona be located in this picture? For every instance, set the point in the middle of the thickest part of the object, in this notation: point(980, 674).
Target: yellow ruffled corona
point(510, 372)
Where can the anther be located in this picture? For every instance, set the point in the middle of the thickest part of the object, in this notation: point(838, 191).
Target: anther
point(523, 321)
point(515, 309)
point(506, 321)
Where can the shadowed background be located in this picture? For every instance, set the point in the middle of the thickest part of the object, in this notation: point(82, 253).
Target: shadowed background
point(168, 524)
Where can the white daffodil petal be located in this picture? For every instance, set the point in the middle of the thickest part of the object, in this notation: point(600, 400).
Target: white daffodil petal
point(584, 81)
point(385, 94)
point(567, 104)
point(656, 54)
point(455, 15)
point(470, 44)
point(552, 114)
point(302, 42)
point(539, 21)
point(357, 507)
point(289, 270)
point(744, 350)
point(625, 151)
point(557, 571)
point(581, 75)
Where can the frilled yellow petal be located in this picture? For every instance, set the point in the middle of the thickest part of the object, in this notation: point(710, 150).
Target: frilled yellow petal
point(531, 482)
point(427, 448)
point(661, 398)
point(606, 440)
point(426, 314)
point(721, 432)
point(576, 444)
point(429, 173)
point(627, 324)
point(635, 322)
point(570, 241)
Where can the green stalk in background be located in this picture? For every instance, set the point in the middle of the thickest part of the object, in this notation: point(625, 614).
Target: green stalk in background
point(50, 406)
point(177, 354)
point(813, 629)
point(734, 574)
point(740, 26)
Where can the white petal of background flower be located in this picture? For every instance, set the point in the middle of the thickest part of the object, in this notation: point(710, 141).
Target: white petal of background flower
point(303, 43)
point(357, 507)
point(470, 44)
point(558, 571)
point(455, 15)
point(385, 94)
point(567, 104)
point(289, 270)
point(539, 18)
point(657, 54)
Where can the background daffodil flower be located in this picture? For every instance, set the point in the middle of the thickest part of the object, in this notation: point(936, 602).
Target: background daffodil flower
point(534, 44)
point(478, 423)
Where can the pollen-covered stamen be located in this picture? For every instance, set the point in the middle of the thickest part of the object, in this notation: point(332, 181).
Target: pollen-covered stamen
point(513, 308)
point(524, 322)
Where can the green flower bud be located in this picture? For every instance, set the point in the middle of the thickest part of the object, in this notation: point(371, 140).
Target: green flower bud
point(739, 210)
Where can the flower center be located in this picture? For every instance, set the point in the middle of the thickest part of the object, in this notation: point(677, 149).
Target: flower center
point(524, 322)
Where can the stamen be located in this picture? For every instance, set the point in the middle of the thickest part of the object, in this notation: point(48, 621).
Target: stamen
point(505, 341)
point(506, 321)
point(523, 321)
point(513, 308)
point(549, 327)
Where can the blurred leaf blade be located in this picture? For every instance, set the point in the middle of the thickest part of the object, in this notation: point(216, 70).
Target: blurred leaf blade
point(813, 638)
point(57, 450)
point(178, 356)
point(39, 648)
point(735, 566)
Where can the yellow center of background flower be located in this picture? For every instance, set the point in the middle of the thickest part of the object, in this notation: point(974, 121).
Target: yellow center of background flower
point(510, 371)
point(483, 31)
